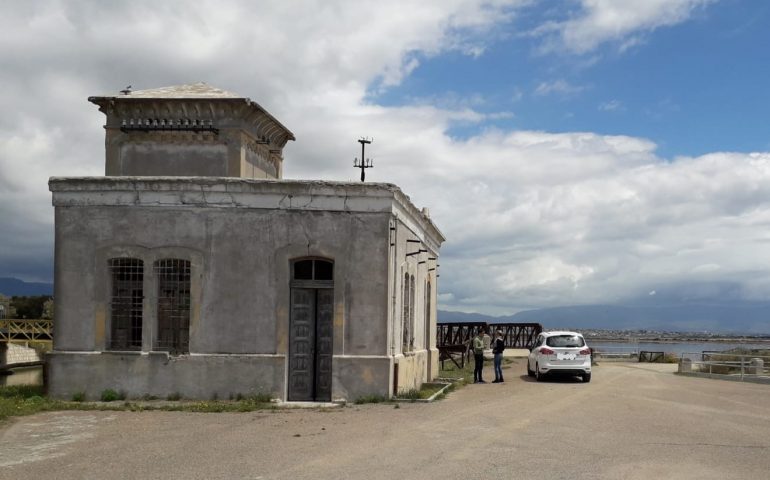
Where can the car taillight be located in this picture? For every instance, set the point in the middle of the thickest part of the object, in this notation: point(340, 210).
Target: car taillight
point(546, 351)
point(585, 351)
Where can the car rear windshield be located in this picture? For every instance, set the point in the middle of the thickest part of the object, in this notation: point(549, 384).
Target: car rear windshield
point(565, 341)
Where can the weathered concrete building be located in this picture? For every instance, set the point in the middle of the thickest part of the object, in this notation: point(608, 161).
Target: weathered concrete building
point(194, 268)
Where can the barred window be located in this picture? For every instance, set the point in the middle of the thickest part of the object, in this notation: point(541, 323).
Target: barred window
point(406, 329)
point(173, 305)
point(127, 276)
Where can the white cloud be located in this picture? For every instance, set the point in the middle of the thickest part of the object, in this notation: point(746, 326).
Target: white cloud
point(560, 86)
point(625, 22)
point(611, 106)
point(532, 218)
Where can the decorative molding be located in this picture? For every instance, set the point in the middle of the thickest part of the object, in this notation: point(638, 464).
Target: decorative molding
point(211, 114)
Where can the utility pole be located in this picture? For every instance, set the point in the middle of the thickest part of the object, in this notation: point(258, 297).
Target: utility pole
point(364, 163)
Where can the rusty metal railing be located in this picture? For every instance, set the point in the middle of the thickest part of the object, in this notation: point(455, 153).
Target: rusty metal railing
point(515, 335)
point(453, 339)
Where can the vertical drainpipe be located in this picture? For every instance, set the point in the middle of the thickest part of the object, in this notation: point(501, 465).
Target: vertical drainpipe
point(392, 248)
point(394, 236)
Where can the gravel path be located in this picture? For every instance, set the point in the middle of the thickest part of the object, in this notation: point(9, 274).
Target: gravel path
point(633, 421)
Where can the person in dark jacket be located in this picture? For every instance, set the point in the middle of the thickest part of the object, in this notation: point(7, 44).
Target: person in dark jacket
point(497, 348)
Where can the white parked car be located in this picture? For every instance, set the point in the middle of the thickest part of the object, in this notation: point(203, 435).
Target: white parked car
point(560, 352)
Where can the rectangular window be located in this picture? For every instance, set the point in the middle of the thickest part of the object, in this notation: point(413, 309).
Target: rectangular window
point(173, 305)
point(411, 312)
point(126, 300)
point(405, 324)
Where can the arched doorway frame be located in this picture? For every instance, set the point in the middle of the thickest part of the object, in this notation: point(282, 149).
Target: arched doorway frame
point(311, 329)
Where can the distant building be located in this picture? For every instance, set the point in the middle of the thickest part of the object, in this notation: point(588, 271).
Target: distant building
point(193, 268)
point(6, 310)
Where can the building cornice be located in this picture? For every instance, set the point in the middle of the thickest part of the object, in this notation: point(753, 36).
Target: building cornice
point(221, 113)
point(228, 192)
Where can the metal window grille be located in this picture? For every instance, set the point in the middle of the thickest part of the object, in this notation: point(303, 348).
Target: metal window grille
point(173, 305)
point(127, 276)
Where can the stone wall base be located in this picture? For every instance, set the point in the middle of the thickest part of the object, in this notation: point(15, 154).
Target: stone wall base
point(201, 376)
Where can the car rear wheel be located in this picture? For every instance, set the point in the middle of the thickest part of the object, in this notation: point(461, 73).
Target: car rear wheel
point(586, 377)
point(530, 373)
point(538, 375)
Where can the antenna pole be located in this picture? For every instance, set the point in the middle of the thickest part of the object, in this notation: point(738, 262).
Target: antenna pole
point(364, 163)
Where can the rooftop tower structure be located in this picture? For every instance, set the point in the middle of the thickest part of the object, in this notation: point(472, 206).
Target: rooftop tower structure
point(190, 130)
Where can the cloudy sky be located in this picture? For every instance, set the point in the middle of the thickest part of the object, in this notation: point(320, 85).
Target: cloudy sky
point(573, 152)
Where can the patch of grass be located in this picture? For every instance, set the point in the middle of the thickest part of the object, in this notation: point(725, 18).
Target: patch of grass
point(28, 400)
point(174, 397)
point(426, 391)
point(110, 395)
point(371, 399)
point(24, 391)
point(412, 394)
point(259, 398)
point(451, 371)
point(24, 400)
point(78, 397)
point(248, 403)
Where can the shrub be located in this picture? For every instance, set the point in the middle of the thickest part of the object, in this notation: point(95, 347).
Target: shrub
point(371, 399)
point(79, 397)
point(412, 394)
point(174, 397)
point(259, 398)
point(23, 391)
point(109, 395)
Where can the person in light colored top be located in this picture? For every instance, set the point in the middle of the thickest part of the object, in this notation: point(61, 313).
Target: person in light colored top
point(478, 357)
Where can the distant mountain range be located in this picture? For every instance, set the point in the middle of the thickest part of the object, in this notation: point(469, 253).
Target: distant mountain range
point(13, 286)
point(749, 317)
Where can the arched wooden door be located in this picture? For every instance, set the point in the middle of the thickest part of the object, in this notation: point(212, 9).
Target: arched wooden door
point(311, 331)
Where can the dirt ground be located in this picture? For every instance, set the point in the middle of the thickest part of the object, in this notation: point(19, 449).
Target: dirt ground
point(633, 421)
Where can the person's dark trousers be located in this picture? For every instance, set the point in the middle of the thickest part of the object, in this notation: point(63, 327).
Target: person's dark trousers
point(478, 367)
point(498, 367)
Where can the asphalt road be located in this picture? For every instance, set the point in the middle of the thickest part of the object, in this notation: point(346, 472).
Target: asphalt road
point(633, 421)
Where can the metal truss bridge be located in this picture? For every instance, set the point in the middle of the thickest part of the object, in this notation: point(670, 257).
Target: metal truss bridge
point(453, 339)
